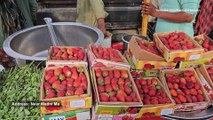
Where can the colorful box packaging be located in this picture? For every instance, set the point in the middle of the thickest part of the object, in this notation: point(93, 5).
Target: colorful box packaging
point(68, 103)
point(195, 63)
point(186, 106)
point(173, 55)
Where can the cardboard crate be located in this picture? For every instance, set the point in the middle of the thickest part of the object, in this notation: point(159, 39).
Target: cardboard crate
point(94, 61)
point(206, 82)
point(208, 54)
point(170, 55)
point(187, 106)
point(112, 108)
point(203, 71)
point(158, 109)
point(67, 102)
point(51, 62)
point(195, 63)
point(70, 115)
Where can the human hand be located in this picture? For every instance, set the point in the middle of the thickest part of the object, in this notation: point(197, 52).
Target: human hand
point(149, 9)
point(101, 26)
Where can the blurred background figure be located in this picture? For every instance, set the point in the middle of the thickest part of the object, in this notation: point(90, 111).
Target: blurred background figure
point(28, 10)
point(92, 12)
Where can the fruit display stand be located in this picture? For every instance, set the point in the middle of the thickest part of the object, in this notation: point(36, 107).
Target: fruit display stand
point(116, 99)
point(167, 43)
point(63, 55)
point(206, 43)
point(99, 56)
point(185, 88)
point(155, 97)
point(78, 95)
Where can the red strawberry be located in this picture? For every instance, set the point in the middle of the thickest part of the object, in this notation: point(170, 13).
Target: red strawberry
point(120, 81)
point(70, 91)
point(98, 73)
point(152, 92)
point(50, 95)
point(111, 75)
point(70, 82)
point(107, 80)
point(100, 81)
point(56, 85)
point(80, 69)
point(104, 97)
point(77, 83)
point(108, 88)
point(58, 71)
point(114, 81)
point(47, 86)
point(74, 75)
point(61, 93)
point(200, 98)
point(63, 87)
point(74, 69)
point(79, 91)
point(154, 81)
point(188, 73)
point(112, 93)
point(53, 79)
point(116, 73)
point(133, 111)
point(127, 89)
point(121, 95)
point(115, 87)
point(67, 73)
point(128, 99)
point(48, 91)
point(61, 77)
point(48, 76)
point(113, 99)
point(101, 88)
point(124, 74)
point(81, 55)
point(64, 82)
point(133, 94)
point(105, 73)
point(128, 83)
point(82, 76)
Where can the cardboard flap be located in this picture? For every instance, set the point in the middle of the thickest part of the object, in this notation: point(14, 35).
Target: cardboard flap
point(140, 53)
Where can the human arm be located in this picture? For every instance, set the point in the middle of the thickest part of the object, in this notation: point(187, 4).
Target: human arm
point(179, 17)
point(100, 13)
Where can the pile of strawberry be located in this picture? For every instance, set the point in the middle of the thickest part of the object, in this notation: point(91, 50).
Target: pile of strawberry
point(65, 81)
point(151, 92)
point(149, 47)
point(206, 43)
point(184, 87)
point(177, 41)
point(115, 85)
point(210, 72)
point(72, 53)
point(106, 53)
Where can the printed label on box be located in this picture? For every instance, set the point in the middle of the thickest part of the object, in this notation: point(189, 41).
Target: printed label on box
point(105, 117)
point(194, 57)
point(83, 116)
point(57, 118)
point(166, 111)
point(77, 103)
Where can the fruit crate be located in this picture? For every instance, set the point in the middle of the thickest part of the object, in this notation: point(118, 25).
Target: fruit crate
point(208, 51)
point(156, 99)
point(178, 55)
point(72, 96)
point(185, 88)
point(62, 55)
point(206, 70)
point(94, 61)
point(196, 63)
point(206, 82)
point(105, 106)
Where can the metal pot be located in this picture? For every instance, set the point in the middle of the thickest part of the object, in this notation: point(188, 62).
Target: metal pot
point(25, 44)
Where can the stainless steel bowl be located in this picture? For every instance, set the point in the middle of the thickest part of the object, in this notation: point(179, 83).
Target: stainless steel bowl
point(28, 42)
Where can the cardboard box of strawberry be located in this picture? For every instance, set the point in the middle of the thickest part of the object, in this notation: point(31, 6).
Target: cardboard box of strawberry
point(185, 89)
point(66, 84)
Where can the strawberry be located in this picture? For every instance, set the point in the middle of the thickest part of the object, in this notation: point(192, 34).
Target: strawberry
point(50, 95)
point(98, 73)
point(48, 91)
point(53, 79)
point(113, 99)
point(108, 88)
point(63, 87)
point(56, 85)
point(127, 89)
point(128, 83)
point(69, 82)
point(133, 94)
point(74, 75)
point(47, 86)
point(80, 69)
point(100, 81)
point(120, 81)
point(121, 95)
point(107, 80)
point(61, 93)
point(152, 92)
point(77, 83)
point(82, 76)
point(74, 69)
point(58, 71)
point(101, 88)
point(154, 81)
point(111, 74)
point(67, 72)
point(61, 77)
point(115, 86)
point(112, 93)
point(116, 73)
point(104, 97)
point(79, 91)
point(128, 99)
point(48, 76)
point(70, 91)
point(200, 98)
point(105, 73)
point(114, 81)
point(124, 74)
point(143, 82)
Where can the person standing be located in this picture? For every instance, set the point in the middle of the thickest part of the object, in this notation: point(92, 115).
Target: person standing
point(173, 15)
point(92, 12)
point(28, 10)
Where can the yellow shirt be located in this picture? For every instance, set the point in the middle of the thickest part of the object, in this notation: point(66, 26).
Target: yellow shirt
point(89, 11)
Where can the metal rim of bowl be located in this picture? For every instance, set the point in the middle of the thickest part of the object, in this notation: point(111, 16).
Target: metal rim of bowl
point(11, 52)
